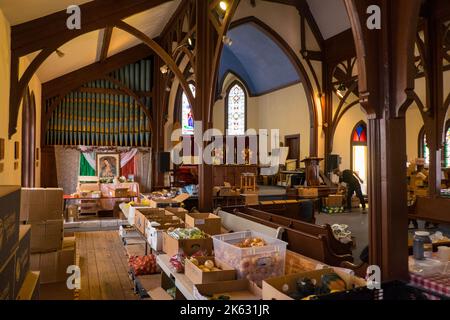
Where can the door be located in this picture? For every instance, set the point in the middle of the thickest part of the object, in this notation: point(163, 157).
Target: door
point(293, 143)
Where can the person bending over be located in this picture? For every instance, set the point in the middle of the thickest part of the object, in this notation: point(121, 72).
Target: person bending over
point(353, 182)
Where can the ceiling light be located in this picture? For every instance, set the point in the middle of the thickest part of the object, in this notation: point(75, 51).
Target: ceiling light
point(227, 40)
point(223, 5)
point(168, 89)
point(60, 53)
point(341, 90)
point(164, 69)
point(191, 43)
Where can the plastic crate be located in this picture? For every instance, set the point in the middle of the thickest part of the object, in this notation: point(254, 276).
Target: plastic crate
point(256, 263)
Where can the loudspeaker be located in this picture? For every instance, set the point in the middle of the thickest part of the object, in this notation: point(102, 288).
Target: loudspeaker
point(164, 162)
point(333, 162)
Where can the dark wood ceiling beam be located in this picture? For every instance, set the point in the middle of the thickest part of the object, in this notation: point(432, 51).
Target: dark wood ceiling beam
point(107, 34)
point(75, 79)
point(340, 47)
point(51, 30)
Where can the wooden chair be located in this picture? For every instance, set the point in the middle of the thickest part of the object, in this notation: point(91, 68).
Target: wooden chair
point(248, 182)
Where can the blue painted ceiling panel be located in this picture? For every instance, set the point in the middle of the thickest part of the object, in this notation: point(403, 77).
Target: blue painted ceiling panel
point(257, 60)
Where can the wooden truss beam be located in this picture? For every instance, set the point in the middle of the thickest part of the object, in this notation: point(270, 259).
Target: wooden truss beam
point(51, 30)
point(75, 79)
point(107, 34)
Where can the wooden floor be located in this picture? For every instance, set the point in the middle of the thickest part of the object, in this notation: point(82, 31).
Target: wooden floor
point(103, 262)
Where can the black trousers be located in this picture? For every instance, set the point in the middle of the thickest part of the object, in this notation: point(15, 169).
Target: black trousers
point(355, 188)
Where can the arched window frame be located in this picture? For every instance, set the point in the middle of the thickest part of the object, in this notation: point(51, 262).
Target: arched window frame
point(244, 89)
point(446, 153)
point(354, 143)
point(423, 148)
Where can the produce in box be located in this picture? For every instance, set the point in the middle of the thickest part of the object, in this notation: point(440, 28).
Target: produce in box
point(143, 265)
point(187, 233)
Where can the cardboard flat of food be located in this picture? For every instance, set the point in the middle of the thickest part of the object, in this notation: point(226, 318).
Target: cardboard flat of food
point(157, 203)
point(30, 287)
point(179, 212)
point(207, 222)
point(297, 263)
point(279, 288)
point(236, 290)
point(142, 216)
point(198, 276)
point(47, 236)
point(173, 246)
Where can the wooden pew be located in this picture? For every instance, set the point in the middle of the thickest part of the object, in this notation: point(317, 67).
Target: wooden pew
point(313, 229)
point(302, 210)
point(315, 247)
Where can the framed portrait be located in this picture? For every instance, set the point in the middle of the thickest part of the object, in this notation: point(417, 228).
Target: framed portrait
point(108, 165)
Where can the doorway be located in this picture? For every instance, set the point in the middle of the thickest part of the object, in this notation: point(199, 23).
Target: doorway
point(293, 143)
point(359, 153)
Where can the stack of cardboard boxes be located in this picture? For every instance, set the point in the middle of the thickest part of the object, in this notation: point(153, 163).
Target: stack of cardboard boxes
point(51, 253)
point(16, 279)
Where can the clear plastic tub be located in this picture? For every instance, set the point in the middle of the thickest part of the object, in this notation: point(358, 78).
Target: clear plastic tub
point(255, 263)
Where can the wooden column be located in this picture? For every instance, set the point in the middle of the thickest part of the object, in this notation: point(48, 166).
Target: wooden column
point(204, 63)
point(435, 96)
point(385, 75)
point(158, 124)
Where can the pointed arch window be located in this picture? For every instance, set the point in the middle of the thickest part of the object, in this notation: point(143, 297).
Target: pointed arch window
point(424, 150)
point(187, 119)
point(236, 110)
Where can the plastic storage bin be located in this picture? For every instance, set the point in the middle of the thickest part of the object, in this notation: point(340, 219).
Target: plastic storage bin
point(256, 263)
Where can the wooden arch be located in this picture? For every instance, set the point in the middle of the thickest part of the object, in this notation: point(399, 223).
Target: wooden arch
point(283, 45)
point(17, 91)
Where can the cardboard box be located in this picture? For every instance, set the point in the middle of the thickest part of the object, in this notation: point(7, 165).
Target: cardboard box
point(9, 222)
point(235, 289)
point(53, 265)
point(174, 202)
point(308, 192)
point(334, 200)
point(251, 199)
point(39, 204)
point(198, 276)
point(155, 234)
point(165, 222)
point(279, 288)
point(173, 246)
point(132, 212)
point(421, 192)
point(229, 192)
point(140, 219)
point(7, 279)
point(179, 212)
point(30, 287)
point(119, 192)
point(22, 257)
point(207, 222)
point(47, 236)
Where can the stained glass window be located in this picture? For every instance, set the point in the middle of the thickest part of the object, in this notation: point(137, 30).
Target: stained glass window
point(425, 150)
point(236, 111)
point(187, 118)
point(360, 133)
point(447, 148)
